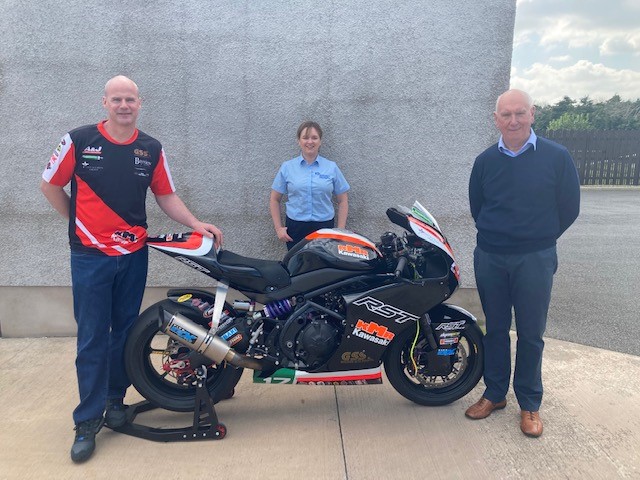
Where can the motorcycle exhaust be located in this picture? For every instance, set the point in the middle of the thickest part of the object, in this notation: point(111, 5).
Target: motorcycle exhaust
point(197, 338)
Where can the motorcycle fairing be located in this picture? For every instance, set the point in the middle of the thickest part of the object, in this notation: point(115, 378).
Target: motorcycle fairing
point(422, 223)
point(297, 377)
point(190, 244)
point(374, 318)
point(431, 235)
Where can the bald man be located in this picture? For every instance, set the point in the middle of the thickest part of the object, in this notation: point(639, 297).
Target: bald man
point(524, 193)
point(110, 166)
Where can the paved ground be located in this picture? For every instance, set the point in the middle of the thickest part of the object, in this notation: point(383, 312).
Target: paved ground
point(591, 406)
point(591, 412)
point(596, 296)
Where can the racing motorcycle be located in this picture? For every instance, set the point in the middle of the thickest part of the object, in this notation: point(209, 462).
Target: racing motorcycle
point(332, 312)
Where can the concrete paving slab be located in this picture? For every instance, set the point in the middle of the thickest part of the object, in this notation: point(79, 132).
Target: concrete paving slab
point(591, 412)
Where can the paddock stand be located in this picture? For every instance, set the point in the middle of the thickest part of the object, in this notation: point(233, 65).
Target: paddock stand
point(205, 421)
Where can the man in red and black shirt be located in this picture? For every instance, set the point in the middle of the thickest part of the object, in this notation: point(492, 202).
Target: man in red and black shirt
point(110, 166)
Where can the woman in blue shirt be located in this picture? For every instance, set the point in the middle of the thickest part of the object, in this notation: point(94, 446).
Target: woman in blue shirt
point(309, 181)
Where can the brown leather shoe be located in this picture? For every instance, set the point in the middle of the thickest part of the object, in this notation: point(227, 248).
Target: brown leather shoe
point(530, 423)
point(483, 408)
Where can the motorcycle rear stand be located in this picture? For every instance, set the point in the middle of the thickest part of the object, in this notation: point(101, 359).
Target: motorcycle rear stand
point(205, 421)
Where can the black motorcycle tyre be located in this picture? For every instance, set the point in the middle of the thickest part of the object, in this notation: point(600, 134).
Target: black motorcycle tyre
point(145, 377)
point(422, 395)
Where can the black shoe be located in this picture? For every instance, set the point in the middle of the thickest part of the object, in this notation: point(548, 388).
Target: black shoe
point(85, 441)
point(116, 415)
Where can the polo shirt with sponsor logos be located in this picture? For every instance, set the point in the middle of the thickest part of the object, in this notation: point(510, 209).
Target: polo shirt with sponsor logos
point(109, 182)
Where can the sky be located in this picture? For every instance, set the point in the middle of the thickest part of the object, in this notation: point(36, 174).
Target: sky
point(577, 48)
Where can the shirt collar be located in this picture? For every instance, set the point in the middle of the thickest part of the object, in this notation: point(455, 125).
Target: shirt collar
point(531, 142)
point(315, 162)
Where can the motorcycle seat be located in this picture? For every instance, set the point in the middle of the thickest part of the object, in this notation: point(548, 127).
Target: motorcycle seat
point(273, 272)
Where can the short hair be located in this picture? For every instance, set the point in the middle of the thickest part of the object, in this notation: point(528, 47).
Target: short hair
point(525, 94)
point(309, 124)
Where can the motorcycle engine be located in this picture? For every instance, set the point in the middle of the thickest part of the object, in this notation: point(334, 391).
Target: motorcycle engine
point(310, 340)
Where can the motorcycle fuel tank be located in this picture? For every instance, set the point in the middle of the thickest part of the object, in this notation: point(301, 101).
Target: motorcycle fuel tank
point(332, 248)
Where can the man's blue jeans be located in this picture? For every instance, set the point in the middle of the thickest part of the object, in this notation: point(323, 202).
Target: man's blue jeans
point(521, 282)
point(107, 294)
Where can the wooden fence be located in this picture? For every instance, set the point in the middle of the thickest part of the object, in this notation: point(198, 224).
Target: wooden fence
point(610, 157)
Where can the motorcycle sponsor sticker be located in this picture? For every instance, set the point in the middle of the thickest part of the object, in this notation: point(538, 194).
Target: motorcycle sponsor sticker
point(192, 264)
point(200, 304)
point(230, 333)
point(449, 338)
point(373, 332)
point(355, 357)
point(446, 351)
point(458, 325)
point(387, 311)
point(353, 251)
point(182, 333)
point(235, 339)
point(184, 298)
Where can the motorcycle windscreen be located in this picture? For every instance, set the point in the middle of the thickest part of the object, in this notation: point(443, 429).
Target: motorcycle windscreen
point(431, 235)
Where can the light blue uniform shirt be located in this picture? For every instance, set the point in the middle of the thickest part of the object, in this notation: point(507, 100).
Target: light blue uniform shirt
point(527, 145)
point(309, 188)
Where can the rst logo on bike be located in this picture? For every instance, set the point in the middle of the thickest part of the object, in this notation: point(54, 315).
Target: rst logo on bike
point(192, 264)
point(353, 251)
point(384, 310)
point(459, 325)
point(373, 332)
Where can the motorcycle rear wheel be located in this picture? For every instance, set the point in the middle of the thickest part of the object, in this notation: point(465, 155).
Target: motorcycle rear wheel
point(146, 351)
point(433, 390)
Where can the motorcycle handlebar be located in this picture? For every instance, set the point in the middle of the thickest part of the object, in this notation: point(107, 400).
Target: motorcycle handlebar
point(402, 262)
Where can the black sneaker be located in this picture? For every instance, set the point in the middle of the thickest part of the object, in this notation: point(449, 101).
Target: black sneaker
point(116, 415)
point(85, 441)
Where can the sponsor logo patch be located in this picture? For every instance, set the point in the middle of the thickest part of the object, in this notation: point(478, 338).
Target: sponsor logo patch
point(353, 251)
point(355, 357)
point(384, 310)
point(373, 332)
point(458, 325)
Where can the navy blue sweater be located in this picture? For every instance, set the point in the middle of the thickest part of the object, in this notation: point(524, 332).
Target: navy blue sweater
point(523, 204)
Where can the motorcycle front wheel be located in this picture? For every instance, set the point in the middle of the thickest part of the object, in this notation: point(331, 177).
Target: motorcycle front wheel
point(162, 370)
point(408, 373)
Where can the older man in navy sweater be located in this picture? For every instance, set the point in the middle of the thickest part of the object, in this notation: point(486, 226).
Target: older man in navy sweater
point(524, 193)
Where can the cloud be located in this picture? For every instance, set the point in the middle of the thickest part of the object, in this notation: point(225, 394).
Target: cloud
point(577, 48)
point(572, 24)
point(622, 44)
point(560, 59)
point(547, 84)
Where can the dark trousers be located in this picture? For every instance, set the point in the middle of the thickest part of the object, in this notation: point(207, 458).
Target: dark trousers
point(298, 230)
point(521, 282)
point(107, 294)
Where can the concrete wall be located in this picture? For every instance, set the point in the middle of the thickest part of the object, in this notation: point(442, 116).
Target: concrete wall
point(403, 89)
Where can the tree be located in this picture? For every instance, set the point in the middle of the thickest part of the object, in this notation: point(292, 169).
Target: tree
point(613, 114)
point(571, 121)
